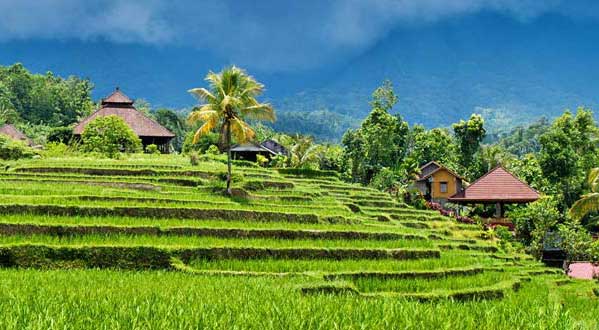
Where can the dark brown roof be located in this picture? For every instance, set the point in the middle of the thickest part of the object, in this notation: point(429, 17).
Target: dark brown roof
point(13, 133)
point(117, 97)
point(250, 147)
point(433, 167)
point(275, 147)
point(120, 105)
point(498, 185)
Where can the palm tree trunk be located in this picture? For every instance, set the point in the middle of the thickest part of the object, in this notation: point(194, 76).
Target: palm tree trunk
point(229, 160)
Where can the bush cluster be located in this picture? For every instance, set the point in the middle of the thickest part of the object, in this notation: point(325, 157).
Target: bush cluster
point(12, 150)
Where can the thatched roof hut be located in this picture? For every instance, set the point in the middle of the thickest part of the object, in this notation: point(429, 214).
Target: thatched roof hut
point(12, 132)
point(148, 130)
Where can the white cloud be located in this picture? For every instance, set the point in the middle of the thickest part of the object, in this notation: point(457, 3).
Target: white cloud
point(280, 35)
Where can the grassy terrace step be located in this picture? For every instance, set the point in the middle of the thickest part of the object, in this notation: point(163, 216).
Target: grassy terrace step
point(112, 184)
point(177, 241)
point(198, 202)
point(61, 230)
point(45, 219)
point(145, 257)
point(103, 171)
point(490, 292)
point(41, 177)
point(447, 261)
point(189, 210)
point(161, 212)
point(428, 274)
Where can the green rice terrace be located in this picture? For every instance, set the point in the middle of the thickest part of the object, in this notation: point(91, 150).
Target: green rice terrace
point(150, 242)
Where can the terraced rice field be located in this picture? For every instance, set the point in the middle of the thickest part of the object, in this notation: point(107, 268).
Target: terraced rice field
point(148, 242)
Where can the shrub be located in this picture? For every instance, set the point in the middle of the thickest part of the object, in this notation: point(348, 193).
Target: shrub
point(278, 161)
point(213, 150)
point(201, 146)
point(194, 159)
point(12, 149)
point(60, 135)
point(152, 149)
point(384, 180)
point(109, 135)
point(57, 149)
point(575, 241)
point(261, 160)
point(534, 221)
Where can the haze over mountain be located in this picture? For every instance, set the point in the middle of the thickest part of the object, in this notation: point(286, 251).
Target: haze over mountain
point(512, 60)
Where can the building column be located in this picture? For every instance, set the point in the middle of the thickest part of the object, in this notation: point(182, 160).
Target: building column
point(498, 210)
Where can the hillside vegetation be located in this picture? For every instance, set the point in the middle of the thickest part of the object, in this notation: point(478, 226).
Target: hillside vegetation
point(151, 242)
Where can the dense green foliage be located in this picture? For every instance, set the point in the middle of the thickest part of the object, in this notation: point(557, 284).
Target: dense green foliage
point(44, 99)
point(109, 135)
point(11, 149)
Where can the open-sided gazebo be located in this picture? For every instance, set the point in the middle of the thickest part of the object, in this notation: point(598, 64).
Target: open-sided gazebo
point(147, 129)
point(497, 187)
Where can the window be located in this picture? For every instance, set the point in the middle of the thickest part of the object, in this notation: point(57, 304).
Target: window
point(443, 186)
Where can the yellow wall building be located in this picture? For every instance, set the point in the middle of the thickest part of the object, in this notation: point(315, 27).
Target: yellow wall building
point(437, 183)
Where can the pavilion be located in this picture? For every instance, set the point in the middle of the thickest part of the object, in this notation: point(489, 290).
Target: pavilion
point(12, 132)
point(148, 130)
point(497, 187)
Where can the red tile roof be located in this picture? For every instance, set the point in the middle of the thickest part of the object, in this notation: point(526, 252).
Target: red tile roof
point(120, 105)
point(498, 185)
point(13, 133)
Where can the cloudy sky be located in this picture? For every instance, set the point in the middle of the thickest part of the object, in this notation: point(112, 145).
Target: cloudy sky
point(270, 35)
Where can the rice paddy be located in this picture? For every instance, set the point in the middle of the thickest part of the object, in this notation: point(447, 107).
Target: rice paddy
point(149, 242)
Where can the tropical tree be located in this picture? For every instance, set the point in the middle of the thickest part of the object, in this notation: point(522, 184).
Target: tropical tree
point(589, 202)
point(304, 153)
point(469, 134)
point(229, 100)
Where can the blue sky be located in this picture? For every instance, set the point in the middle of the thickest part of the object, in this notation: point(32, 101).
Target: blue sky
point(446, 57)
point(268, 35)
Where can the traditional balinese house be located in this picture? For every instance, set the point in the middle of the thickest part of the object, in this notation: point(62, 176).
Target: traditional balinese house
point(250, 150)
point(437, 182)
point(498, 187)
point(12, 132)
point(275, 147)
point(148, 130)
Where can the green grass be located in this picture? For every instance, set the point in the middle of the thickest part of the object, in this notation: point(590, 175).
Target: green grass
point(217, 272)
point(92, 299)
point(185, 241)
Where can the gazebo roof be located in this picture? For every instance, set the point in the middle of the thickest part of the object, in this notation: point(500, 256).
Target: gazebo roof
point(12, 132)
point(250, 147)
point(498, 185)
point(120, 105)
point(117, 97)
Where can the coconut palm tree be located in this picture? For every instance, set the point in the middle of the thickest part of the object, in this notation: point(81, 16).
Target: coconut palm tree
point(229, 100)
point(589, 202)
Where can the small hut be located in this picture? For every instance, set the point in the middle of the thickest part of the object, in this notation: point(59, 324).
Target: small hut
point(12, 132)
point(437, 183)
point(148, 130)
point(250, 151)
point(275, 147)
point(498, 187)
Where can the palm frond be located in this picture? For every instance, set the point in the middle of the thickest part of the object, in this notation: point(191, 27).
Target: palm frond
point(203, 113)
point(259, 112)
point(588, 203)
point(204, 129)
point(594, 179)
point(241, 131)
point(203, 94)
